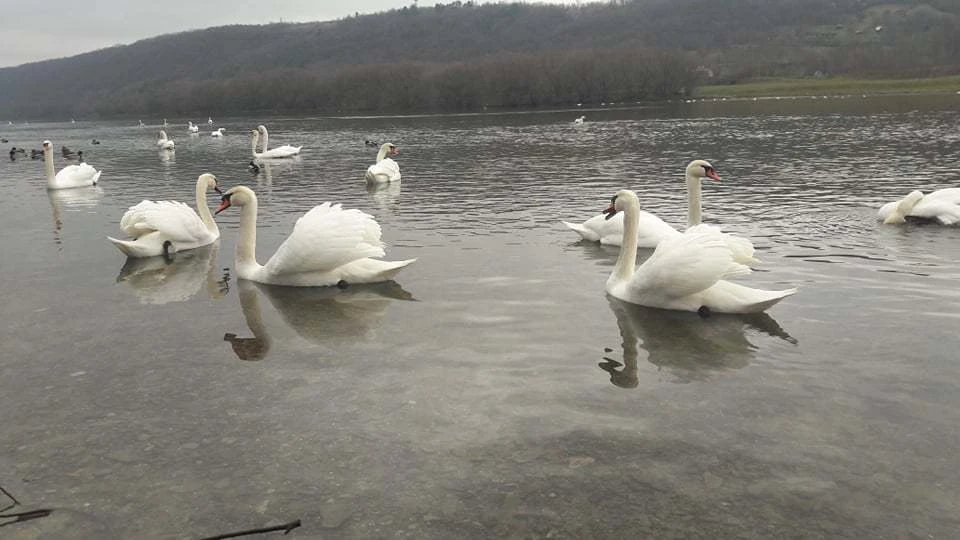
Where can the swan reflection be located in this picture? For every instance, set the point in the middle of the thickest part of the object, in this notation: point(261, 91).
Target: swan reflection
point(320, 315)
point(167, 157)
point(71, 199)
point(265, 169)
point(691, 347)
point(157, 280)
point(385, 196)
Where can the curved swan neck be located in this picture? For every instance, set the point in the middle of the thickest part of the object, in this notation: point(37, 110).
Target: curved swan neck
point(202, 209)
point(627, 261)
point(382, 154)
point(693, 201)
point(265, 139)
point(48, 166)
point(246, 259)
point(254, 140)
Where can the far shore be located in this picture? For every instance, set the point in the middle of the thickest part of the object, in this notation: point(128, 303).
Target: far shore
point(831, 87)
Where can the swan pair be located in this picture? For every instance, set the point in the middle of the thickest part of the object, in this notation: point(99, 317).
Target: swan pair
point(652, 230)
point(686, 272)
point(942, 206)
point(261, 134)
point(163, 142)
point(71, 176)
point(385, 169)
point(328, 246)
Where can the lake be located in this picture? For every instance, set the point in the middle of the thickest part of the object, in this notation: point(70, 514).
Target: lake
point(493, 390)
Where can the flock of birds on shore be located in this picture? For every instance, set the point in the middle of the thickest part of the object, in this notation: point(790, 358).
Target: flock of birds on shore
point(332, 246)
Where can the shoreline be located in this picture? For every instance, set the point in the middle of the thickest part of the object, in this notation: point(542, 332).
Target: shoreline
point(830, 87)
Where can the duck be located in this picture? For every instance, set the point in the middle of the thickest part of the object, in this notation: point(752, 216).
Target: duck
point(684, 273)
point(941, 206)
point(385, 169)
point(164, 143)
point(67, 152)
point(168, 227)
point(329, 246)
point(371, 143)
point(653, 230)
point(71, 176)
point(94, 141)
point(278, 152)
point(218, 132)
point(253, 167)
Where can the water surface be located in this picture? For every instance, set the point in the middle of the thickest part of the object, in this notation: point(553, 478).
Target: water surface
point(493, 390)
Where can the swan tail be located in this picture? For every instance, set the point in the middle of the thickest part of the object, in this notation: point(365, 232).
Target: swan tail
point(772, 298)
point(729, 297)
point(96, 177)
point(584, 232)
point(373, 270)
point(136, 249)
point(742, 250)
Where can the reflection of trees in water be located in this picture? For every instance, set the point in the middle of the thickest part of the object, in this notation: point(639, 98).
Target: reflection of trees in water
point(157, 280)
point(689, 346)
point(320, 315)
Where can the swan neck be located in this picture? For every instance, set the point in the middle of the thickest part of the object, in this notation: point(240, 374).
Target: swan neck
point(48, 166)
point(254, 140)
point(693, 201)
point(627, 261)
point(246, 259)
point(382, 154)
point(264, 140)
point(202, 209)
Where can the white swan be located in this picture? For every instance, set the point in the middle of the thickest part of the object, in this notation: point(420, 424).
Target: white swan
point(385, 169)
point(218, 132)
point(163, 142)
point(328, 246)
point(164, 227)
point(942, 206)
point(684, 273)
point(278, 152)
point(579, 119)
point(652, 230)
point(193, 128)
point(71, 176)
point(209, 121)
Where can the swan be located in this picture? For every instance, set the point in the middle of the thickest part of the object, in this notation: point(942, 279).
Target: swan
point(385, 169)
point(328, 246)
point(652, 230)
point(942, 206)
point(71, 176)
point(278, 152)
point(163, 142)
point(685, 273)
point(218, 132)
point(209, 121)
point(579, 119)
point(165, 227)
point(192, 128)
point(164, 122)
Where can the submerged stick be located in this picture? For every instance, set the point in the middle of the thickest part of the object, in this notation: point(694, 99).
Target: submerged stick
point(286, 528)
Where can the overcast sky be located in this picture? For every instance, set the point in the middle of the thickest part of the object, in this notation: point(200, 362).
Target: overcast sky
point(58, 28)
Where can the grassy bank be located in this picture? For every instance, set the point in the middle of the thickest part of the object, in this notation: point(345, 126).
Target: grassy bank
point(832, 86)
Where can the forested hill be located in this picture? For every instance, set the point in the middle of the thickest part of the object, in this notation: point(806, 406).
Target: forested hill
point(463, 56)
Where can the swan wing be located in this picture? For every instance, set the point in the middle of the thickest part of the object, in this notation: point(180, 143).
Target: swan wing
point(77, 175)
point(280, 152)
point(325, 238)
point(942, 205)
point(686, 264)
point(173, 219)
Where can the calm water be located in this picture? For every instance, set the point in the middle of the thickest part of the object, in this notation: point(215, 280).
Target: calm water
point(493, 391)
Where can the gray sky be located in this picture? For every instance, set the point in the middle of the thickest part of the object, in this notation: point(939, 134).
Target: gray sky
point(58, 28)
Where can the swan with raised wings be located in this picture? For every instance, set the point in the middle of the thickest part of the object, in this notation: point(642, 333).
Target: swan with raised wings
point(278, 152)
point(685, 273)
point(165, 227)
point(942, 206)
point(163, 142)
point(71, 176)
point(385, 169)
point(328, 246)
point(652, 230)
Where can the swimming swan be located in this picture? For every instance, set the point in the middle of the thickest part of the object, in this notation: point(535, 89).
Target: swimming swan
point(163, 142)
point(685, 273)
point(385, 169)
point(165, 227)
point(942, 206)
point(71, 176)
point(328, 246)
point(278, 152)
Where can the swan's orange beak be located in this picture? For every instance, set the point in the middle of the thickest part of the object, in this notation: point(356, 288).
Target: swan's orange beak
point(224, 204)
point(394, 151)
point(712, 174)
point(610, 212)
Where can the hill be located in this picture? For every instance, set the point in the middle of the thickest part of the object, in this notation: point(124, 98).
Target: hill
point(464, 56)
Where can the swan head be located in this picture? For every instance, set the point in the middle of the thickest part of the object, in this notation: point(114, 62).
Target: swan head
point(236, 196)
point(209, 181)
point(620, 201)
point(903, 208)
point(47, 146)
point(699, 168)
point(262, 128)
point(389, 149)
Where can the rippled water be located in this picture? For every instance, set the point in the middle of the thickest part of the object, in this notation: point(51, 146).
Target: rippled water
point(493, 391)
